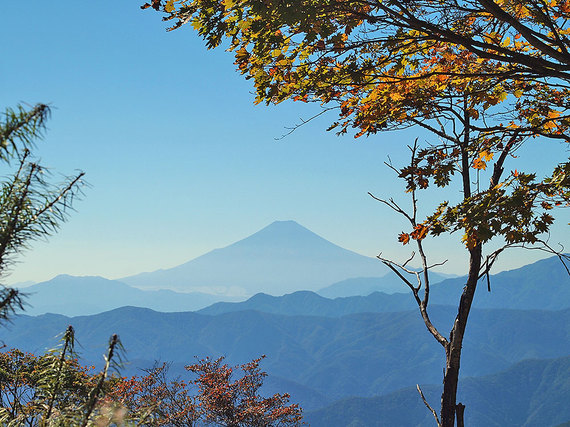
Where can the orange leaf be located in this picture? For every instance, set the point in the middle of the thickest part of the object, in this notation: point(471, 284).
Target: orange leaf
point(479, 164)
point(420, 232)
point(486, 155)
point(404, 238)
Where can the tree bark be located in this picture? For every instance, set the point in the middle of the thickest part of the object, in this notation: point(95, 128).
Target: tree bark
point(453, 348)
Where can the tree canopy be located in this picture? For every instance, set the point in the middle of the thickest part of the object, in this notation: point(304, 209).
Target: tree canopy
point(480, 75)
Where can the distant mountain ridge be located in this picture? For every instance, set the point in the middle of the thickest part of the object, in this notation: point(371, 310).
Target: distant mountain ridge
point(363, 286)
point(362, 354)
point(307, 303)
point(77, 296)
point(281, 258)
point(543, 285)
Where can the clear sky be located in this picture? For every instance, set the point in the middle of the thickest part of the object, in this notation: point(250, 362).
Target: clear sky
point(179, 159)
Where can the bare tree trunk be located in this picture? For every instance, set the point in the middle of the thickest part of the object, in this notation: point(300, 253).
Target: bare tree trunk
point(453, 348)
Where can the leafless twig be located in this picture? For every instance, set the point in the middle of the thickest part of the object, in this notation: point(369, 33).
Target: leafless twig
point(428, 406)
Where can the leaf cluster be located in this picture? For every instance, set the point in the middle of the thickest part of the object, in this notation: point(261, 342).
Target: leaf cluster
point(214, 397)
point(517, 208)
point(517, 215)
point(392, 64)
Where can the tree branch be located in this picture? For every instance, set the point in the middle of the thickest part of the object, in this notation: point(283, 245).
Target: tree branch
point(428, 405)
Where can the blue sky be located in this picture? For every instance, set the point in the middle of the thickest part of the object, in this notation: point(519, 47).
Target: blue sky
point(179, 159)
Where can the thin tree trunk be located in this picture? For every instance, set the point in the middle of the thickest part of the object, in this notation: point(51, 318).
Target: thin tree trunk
point(453, 349)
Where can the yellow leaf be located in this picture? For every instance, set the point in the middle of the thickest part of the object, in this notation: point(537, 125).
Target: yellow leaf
point(470, 240)
point(502, 95)
point(486, 155)
point(169, 6)
point(396, 96)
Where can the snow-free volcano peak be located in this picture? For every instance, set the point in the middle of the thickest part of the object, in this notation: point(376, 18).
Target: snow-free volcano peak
point(280, 258)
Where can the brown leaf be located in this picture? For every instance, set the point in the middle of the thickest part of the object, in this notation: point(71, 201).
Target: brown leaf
point(420, 232)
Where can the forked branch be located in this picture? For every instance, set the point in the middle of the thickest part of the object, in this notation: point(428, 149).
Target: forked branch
point(422, 304)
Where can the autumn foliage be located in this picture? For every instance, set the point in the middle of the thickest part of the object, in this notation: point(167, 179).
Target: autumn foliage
point(217, 396)
point(29, 385)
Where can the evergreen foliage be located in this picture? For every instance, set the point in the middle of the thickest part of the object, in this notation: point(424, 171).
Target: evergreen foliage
point(31, 207)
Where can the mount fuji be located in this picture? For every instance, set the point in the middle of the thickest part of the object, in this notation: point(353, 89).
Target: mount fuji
point(281, 258)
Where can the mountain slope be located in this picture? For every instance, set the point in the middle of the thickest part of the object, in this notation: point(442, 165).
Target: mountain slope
point(283, 257)
point(530, 393)
point(364, 354)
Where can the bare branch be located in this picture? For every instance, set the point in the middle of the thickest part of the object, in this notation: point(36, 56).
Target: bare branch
point(303, 122)
point(394, 206)
point(422, 305)
point(437, 264)
point(392, 266)
point(428, 405)
point(488, 264)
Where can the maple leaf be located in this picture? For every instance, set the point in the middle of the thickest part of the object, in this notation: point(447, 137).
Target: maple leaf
point(420, 232)
point(479, 164)
point(470, 240)
point(404, 238)
point(486, 155)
